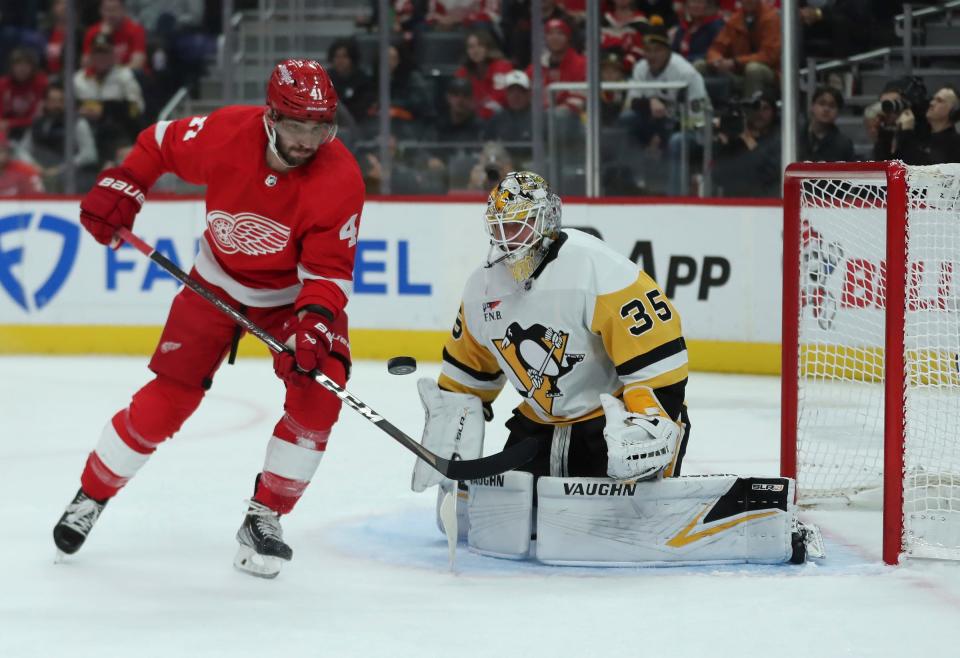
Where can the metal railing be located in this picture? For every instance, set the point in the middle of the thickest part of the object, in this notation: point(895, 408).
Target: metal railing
point(592, 168)
point(904, 27)
point(182, 95)
point(910, 16)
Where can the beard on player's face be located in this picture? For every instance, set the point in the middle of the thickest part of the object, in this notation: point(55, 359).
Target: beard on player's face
point(294, 152)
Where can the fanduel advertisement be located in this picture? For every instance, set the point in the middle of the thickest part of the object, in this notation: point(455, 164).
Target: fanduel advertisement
point(720, 264)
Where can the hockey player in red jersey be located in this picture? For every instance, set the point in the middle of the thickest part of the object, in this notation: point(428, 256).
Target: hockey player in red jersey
point(283, 206)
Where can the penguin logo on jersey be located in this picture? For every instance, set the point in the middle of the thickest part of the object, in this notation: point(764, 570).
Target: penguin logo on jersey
point(538, 358)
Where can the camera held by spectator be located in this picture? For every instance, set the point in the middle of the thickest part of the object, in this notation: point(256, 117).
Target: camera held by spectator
point(732, 121)
point(493, 163)
point(941, 142)
point(900, 97)
point(903, 107)
point(748, 162)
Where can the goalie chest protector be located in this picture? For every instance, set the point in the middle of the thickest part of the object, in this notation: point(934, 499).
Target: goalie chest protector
point(591, 322)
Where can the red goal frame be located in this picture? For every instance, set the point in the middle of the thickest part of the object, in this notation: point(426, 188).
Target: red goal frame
point(894, 174)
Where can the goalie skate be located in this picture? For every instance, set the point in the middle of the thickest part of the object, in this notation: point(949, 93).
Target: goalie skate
point(262, 550)
point(76, 523)
point(807, 543)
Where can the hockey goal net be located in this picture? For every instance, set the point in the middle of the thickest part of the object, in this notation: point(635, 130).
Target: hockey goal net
point(871, 345)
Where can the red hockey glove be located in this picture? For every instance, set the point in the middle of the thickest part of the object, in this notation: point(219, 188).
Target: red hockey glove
point(311, 340)
point(113, 201)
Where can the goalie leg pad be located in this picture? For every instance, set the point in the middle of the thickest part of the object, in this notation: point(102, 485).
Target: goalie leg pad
point(500, 513)
point(686, 520)
point(453, 426)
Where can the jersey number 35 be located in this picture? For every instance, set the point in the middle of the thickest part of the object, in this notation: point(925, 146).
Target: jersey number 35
point(637, 311)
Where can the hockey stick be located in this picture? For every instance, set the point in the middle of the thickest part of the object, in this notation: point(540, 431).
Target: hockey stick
point(543, 366)
point(469, 469)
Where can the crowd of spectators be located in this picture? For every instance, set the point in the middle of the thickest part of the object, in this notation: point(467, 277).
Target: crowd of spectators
point(910, 125)
point(131, 57)
point(457, 121)
point(726, 53)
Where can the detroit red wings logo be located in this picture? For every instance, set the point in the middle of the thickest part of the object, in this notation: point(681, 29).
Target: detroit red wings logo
point(247, 233)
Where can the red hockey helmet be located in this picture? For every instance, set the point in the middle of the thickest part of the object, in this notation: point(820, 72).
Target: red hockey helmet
point(301, 89)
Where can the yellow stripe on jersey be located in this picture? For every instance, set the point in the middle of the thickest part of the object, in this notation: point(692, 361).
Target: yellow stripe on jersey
point(467, 366)
point(642, 334)
point(449, 384)
point(538, 417)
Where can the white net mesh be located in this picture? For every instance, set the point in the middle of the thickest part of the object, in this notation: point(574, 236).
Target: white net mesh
point(841, 337)
point(932, 342)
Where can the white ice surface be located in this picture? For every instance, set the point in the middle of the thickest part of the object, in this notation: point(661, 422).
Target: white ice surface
point(369, 577)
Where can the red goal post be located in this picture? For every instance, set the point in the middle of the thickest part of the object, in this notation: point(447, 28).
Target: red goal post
point(870, 345)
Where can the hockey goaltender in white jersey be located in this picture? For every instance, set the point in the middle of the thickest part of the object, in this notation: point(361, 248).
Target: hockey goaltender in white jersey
point(597, 354)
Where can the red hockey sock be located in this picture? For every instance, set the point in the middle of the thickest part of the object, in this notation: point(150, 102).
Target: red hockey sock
point(156, 412)
point(98, 481)
point(279, 493)
point(293, 455)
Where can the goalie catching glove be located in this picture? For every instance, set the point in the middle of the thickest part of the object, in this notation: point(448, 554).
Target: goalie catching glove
point(453, 429)
point(638, 446)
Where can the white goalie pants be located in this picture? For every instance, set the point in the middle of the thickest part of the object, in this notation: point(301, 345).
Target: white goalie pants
point(714, 519)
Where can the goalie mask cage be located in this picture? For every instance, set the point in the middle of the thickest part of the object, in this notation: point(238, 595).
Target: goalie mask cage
point(871, 345)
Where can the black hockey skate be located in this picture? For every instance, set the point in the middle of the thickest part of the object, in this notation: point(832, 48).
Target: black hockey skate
point(262, 550)
point(77, 521)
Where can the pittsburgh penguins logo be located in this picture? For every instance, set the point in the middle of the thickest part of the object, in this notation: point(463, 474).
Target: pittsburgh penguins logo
point(538, 358)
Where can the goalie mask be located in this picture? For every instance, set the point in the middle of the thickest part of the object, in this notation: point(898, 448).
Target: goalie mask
point(522, 220)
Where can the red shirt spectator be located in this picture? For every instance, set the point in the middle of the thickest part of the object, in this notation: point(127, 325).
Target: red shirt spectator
point(54, 51)
point(16, 178)
point(561, 63)
point(128, 37)
point(21, 93)
point(485, 68)
point(449, 14)
point(56, 37)
point(700, 23)
point(622, 29)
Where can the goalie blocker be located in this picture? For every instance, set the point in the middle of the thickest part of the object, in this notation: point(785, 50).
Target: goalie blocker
point(712, 519)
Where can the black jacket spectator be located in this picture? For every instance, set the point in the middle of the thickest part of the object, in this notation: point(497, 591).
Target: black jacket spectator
point(821, 140)
point(941, 143)
point(748, 164)
point(460, 122)
point(43, 144)
point(744, 172)
point(938, 147)
point(353, 84)
point(661, 8)
point(832, 146)
point(837, 29)
point(897, 101)
point(410, 106)
point(695, 33)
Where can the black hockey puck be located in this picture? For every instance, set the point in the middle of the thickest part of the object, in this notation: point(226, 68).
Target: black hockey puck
point(401, 365)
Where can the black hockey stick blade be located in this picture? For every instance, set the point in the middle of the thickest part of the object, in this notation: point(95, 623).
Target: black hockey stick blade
point(501, 462)
point(470, 469)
